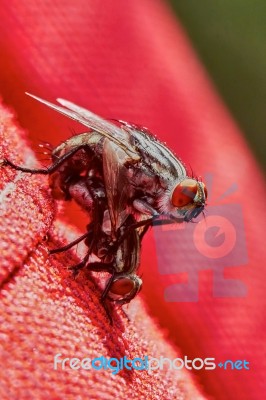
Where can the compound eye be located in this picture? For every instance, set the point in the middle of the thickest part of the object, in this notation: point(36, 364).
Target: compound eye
point(122, 287)
point(185, 192)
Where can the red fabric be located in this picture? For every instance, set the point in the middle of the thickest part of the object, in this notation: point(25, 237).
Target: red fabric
point(132, 61)
point(45, 311)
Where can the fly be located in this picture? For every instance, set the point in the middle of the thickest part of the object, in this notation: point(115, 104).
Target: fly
point(125, 179)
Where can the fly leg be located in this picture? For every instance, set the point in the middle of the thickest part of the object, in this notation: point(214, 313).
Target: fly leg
point(83, 263)
point(48, 170)
point(100, 267)
point(144, 208)
point(105, 294)
point(146, 223)
point(94, 229)
point(68, 246)
point(80, 192)
point(88, 191)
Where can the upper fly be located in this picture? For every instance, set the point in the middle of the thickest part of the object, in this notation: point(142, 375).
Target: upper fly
point(125, 179)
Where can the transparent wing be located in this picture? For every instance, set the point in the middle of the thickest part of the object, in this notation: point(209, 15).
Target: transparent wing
point(94, 122)
point(116, 182)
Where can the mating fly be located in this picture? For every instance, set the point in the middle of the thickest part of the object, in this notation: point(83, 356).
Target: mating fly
point(125, 179)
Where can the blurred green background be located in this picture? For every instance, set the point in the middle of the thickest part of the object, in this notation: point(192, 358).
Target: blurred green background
point(229, 37)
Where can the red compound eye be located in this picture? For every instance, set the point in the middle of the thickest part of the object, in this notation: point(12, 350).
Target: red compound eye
point(122, 286)
point(185, 192)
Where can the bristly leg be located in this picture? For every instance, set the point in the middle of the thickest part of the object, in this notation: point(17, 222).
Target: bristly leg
point(68, 246)
point(45, 171)
point(146, 223)
point(76, 268)
point(105, 294)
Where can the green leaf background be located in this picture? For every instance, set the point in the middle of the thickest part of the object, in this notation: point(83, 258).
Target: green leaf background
point(230, 37)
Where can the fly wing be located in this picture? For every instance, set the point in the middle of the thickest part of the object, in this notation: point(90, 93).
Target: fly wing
point(116, 182)
point(96, 123)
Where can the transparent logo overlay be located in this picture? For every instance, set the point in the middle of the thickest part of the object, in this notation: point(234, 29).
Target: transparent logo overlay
point(214, 242)
point(115, 365)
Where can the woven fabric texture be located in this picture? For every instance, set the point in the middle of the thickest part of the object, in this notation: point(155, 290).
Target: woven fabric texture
point(45, 311)
point(131, 61)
